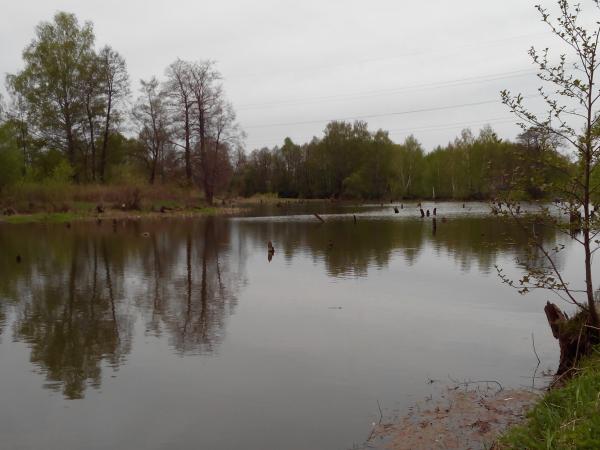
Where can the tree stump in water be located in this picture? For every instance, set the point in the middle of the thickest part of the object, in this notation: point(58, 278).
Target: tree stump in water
point(574, 337)
point(270, 251)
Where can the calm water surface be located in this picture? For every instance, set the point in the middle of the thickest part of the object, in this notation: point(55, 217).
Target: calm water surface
point(181, 334)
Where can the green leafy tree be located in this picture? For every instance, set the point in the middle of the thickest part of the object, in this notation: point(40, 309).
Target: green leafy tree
point(11, 160)
point(51, 82)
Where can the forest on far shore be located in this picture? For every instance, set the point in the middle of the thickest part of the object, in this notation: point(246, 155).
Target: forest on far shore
point(71, 119)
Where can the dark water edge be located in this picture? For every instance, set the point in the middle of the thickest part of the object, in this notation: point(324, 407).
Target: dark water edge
point(182, 334)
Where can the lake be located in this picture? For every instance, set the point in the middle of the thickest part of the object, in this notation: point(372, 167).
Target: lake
point(183, 333)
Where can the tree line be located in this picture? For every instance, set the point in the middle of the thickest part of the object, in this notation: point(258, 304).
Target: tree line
point(70, 118)
point(349, 161)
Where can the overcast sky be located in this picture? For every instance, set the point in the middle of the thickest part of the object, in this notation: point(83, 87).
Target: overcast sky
point(291, 66)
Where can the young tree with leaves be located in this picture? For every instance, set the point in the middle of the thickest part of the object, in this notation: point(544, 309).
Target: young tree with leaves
point(115, 90)
point(571, 95)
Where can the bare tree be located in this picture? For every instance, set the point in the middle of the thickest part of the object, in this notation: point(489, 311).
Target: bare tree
point(225, 135)
point(151, 115)
point(206, 93)
point(179, 89)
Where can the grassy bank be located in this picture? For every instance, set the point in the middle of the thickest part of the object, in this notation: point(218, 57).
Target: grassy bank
point(59, 203)
point(566, 417)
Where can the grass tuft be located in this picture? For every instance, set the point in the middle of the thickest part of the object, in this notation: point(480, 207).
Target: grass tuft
point(566, 418)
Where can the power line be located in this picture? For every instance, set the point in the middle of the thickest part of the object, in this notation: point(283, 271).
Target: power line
point(435, 50)
point(496, 120)
point(363, 94)
point(395, 113)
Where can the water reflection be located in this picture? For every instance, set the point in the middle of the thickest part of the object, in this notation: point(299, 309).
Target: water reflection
point(194, 293)
point(71, 321)
point(72, 293)
point(350, 250)
point(78, 292)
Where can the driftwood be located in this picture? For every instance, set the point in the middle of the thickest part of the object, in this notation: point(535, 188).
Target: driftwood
point(319, 217)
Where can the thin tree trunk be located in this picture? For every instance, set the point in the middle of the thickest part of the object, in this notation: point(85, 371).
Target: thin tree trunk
point(594, 321)
point(188, 150)
point(105, 139)
point(92, 140)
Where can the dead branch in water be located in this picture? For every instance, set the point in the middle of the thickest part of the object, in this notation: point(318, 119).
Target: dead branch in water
point(467, 383)
point(319, 217)
point(534, 350)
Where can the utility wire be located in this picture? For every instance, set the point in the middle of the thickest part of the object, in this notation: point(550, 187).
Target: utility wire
point(395, 113)
point(497, 120)
point(416, 52)
point(363, 94)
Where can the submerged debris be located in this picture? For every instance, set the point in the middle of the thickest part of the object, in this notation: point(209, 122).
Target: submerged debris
point(460, 419)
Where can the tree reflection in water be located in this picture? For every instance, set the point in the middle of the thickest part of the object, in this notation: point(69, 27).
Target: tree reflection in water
point(76, 295)
point(71, 295)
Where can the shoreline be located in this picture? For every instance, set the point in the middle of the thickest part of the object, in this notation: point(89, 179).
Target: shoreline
point(87, 211)
point(484, 416)
point(471, 415)
point(115, 214)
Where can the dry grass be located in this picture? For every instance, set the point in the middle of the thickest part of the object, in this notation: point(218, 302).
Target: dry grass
point(59, 198)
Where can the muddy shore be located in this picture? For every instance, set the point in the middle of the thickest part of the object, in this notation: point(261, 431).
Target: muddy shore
point(460, 417)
